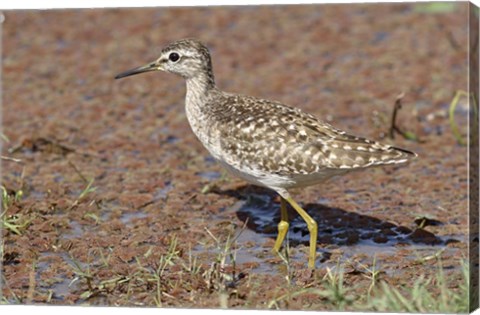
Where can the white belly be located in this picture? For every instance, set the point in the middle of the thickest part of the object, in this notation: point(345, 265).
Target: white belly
point(257, 177)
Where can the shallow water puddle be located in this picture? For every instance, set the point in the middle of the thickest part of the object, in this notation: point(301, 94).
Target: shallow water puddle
point(57, 285)
point(210, 175)
point(130, 217)
point(253, 256)
point(339, 231)
point(76, 230)
point(162, 193)
point(335, 226)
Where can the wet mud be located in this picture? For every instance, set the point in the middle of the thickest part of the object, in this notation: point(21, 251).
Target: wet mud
point(121, 205)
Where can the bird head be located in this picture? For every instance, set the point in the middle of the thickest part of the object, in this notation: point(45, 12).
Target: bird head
point(188, 58)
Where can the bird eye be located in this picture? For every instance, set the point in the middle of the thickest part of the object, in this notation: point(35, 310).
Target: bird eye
point(173, 57)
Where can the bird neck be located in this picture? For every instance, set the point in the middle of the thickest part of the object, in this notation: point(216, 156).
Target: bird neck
point(199, 86)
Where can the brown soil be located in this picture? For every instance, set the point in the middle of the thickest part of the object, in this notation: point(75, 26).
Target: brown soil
point(154, 184)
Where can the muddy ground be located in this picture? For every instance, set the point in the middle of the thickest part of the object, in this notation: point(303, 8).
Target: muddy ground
point(121, 205)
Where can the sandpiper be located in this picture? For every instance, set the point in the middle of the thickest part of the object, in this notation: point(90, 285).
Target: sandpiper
point(265, 142)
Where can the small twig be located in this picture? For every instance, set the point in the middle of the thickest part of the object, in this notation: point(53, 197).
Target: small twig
point(22, 178)
point(147, 204)
point(7, 158)
point(450, 37)
point(78, 172)
point(396, 108)
point(244, 226)
point(4, 137)
point(46, 144)
point(31, 284)
point(211, 235)
point(15, 148)
point(393, 125)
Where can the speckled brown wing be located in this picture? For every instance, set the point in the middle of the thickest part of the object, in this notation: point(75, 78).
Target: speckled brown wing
point(280, 139)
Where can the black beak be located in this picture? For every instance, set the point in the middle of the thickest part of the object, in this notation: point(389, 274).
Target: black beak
point(146, 68)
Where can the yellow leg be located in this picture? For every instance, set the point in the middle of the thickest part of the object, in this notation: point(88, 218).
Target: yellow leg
point(282, 226)
point(312, 228)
